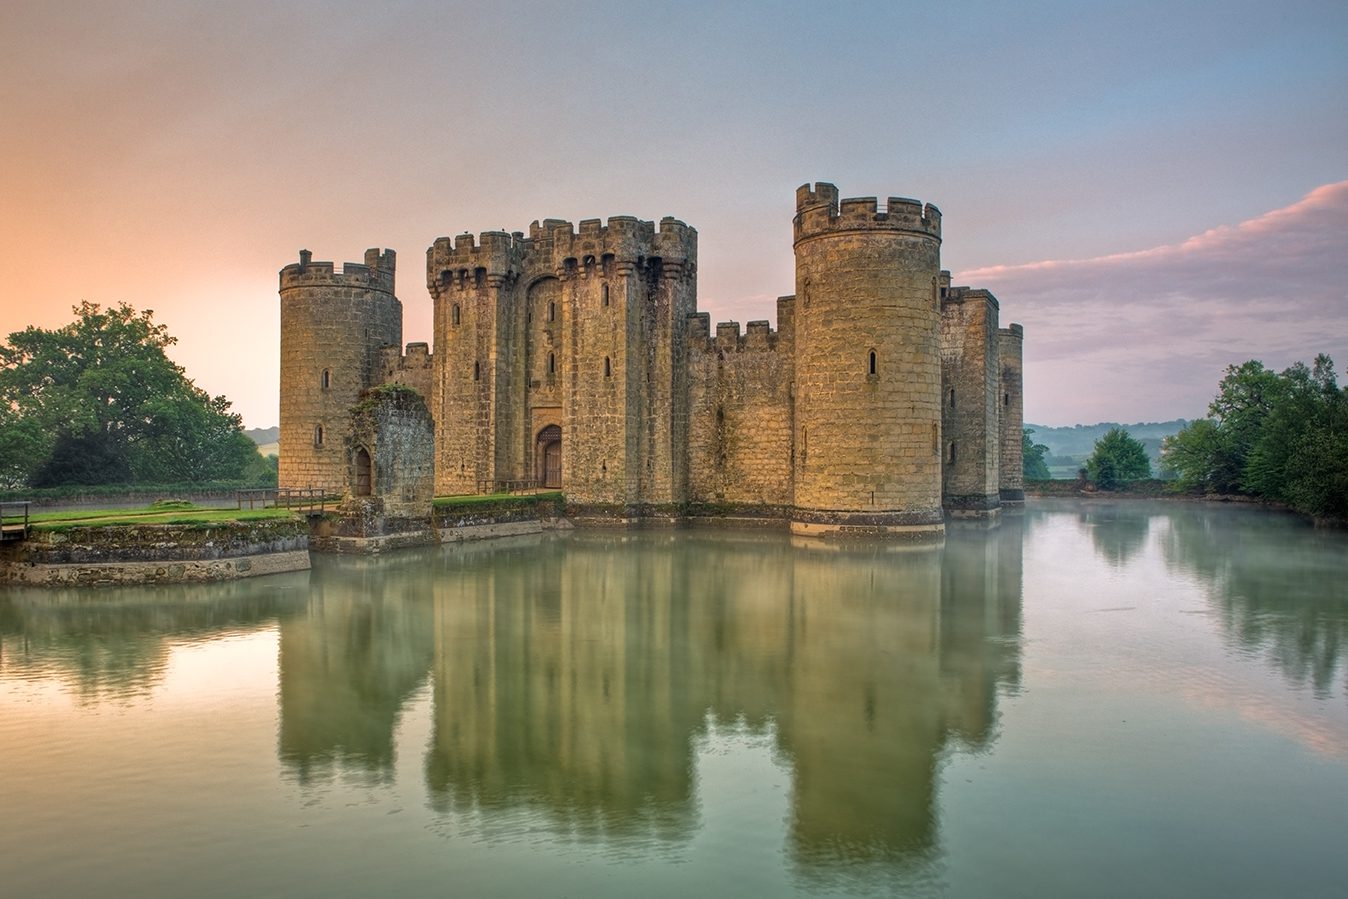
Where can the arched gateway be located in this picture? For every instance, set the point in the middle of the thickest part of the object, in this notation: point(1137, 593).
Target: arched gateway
point(548, 457)
point(361, 483)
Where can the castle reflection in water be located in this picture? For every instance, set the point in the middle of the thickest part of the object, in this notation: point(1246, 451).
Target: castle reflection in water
point(646, 694)
point(574, 677)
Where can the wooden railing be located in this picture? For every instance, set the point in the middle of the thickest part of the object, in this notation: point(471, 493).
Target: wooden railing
point(511, 485)
point(300, 499)
point(260, 498)
point(14, 520)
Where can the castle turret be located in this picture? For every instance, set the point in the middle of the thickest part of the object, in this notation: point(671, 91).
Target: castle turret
point(1010, 342)
point(970, 376)
point(333, 328)
point(868, 365)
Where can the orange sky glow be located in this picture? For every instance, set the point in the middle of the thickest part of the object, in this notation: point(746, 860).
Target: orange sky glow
point(175, 156)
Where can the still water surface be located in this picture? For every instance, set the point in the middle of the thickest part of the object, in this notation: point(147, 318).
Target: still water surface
point(1095, 699)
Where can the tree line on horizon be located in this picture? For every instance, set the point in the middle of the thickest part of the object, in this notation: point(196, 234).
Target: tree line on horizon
point(97, 402)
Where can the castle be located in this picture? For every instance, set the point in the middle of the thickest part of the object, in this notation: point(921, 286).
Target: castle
point(575, 358)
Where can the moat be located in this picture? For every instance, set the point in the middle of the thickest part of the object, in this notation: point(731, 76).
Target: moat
point(1106, 699)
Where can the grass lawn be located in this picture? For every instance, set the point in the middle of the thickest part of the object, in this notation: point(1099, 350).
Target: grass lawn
point(479, 499)
point(55, 521)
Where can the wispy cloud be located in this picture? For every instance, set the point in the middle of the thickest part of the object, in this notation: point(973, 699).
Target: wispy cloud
point(1146, 334)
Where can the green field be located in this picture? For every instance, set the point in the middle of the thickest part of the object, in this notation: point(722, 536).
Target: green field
point(81, 518)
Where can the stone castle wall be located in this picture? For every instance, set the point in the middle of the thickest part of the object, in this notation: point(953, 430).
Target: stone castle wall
point(392, 426)
point(970, 425)
point(1010, 342)
point(867, 369)
point(333, 328)
point(580, 329)
point(840, 419)
point(415, 368)
point(739, 440)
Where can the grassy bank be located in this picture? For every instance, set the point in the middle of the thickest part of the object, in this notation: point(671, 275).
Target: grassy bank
point(178, 514)
point(505, 500)
point(1148, 488)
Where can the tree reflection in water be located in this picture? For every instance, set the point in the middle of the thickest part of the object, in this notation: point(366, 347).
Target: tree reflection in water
point(114, 642)
point(1276, 582)
point(1118, 530)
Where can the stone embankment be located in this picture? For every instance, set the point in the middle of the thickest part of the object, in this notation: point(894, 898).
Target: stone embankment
point(156, 553)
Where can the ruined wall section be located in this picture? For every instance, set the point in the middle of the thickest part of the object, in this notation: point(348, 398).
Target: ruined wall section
point(867, 438)
point(334, 326)
point(740, 430)
point(969, 403)
point(1010, 344)
point(394, 430)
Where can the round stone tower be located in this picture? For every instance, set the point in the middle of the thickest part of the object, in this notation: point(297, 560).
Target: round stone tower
point(333, 325)
point(867, 366)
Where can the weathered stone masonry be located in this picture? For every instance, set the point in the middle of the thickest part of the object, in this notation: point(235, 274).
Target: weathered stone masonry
point(575, 357)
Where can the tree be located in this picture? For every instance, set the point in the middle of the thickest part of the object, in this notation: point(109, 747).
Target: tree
point(97, 401)
point(1301, 454)
point(1033, 458)
point(1278, 436)
point(1117, 458)
point(1191, 455)
point(1245, 398)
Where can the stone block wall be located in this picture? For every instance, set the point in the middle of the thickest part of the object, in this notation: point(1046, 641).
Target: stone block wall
point(1009, 347)
point(601, 382)
point(463, 401)
point(969, 402)
point(867, 366)
point(334, 326)
point(414, 369)
point(739, 439)
point(576, 328)
point(392, 427)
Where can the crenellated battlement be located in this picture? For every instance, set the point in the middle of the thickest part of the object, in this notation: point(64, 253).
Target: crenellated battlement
point(417, 357)
point(1014, 331)
point(466, 261)
point(560, 246)
point(820, 211)
point(959, 295)
point(375, 273)
point(728, 339)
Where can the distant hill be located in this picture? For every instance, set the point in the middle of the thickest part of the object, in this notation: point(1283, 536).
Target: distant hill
point(1068, 448)
point(267, 440)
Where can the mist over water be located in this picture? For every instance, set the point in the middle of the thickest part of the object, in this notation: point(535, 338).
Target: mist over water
point(1095, 698)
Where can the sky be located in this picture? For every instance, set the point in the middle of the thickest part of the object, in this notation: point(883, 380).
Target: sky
point(1154, 190)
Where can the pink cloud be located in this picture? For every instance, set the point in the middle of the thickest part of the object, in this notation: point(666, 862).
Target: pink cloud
point(1145, 335)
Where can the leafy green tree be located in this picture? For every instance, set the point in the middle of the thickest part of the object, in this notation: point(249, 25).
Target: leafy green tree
point(1301, 454)
point(98, 402)
point(1190, 455)
point(1033, 457)
point(262, 471)
point(21, 442)
point(1245, 398)
point(1117, 458)
point(1278, 436)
